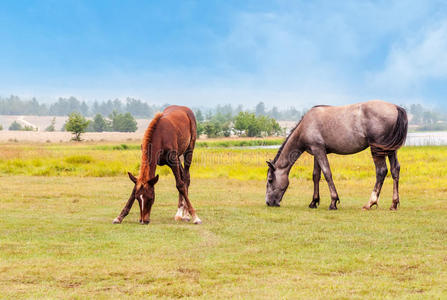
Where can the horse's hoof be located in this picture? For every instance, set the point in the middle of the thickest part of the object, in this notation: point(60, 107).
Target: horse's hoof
point(116, 221)
point(366, 207)
point(332, 207)
point(314, 204)
point(145, 222)
point(178, 218)
point(186, 219)
point(393, 208)
point(197, 221)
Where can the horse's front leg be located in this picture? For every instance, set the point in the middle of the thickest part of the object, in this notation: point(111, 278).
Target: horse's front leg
point(316, 176)
point(126, 209)
point(320, 155)
point(182, 210)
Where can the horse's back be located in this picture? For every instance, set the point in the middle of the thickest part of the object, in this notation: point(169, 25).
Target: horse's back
point(177, 127)
point(348, 129)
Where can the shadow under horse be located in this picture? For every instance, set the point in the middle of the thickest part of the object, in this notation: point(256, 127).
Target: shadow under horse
point(342, 130)
point(170, 135)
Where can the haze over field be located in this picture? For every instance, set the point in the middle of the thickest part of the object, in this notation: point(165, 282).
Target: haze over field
point(201, 52)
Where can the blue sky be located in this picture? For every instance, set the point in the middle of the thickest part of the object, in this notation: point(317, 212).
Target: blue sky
point(206, 52)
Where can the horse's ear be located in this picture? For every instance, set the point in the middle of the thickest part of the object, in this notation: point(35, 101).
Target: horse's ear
point(132, 177)
point(270, 164)
point(153, 181)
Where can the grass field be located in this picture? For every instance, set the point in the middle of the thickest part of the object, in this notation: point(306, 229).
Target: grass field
point(57, 202)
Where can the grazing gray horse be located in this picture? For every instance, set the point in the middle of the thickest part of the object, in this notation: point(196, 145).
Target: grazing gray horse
point(342, 130)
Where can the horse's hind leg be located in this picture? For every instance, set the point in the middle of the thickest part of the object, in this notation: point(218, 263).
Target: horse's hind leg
point(323, 162)
point(183, 190)
point(395, 170)
point(381, 171)
point(316, 176)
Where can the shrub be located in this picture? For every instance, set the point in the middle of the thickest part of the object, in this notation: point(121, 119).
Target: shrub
point(15, 126)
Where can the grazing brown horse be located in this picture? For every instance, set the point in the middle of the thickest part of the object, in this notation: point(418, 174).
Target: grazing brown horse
point(170, 135)
point(342, 130)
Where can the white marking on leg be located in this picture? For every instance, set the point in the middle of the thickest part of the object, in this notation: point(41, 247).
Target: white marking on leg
point(185, 214)
point(179, 214)
point(142, 204)
point(373, 198)
point(197, 220)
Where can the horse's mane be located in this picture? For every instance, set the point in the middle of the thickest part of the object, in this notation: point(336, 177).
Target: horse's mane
point(291, 132)
point(143, 176)
point(285, 142)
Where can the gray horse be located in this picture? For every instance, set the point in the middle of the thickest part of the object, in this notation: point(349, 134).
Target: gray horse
point(342, 130)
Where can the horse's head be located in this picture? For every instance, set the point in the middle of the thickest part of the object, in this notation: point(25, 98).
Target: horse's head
point(145, 195)
point(277, 183)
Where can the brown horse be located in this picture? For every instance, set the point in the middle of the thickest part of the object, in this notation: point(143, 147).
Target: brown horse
point(342, 130)
point(170, 135)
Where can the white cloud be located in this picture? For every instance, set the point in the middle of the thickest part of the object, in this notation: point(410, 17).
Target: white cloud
point(415, 61)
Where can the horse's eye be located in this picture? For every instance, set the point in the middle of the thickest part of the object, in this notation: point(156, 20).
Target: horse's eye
point(270, 180)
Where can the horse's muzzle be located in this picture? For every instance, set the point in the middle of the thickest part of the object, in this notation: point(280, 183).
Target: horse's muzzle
point(272, 204)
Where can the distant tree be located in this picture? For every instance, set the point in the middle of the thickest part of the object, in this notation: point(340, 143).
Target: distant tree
point(249, 124)
point(238, 109)
point(51, 127)
point(65, 106)
point(200, 129)
point(84, 109)
point(208, 115)
point(77, 125)
point(100, 124)
point(268, 126)
point(15, 126)
point(274, 113)
point(245, 123)
point(138, 108)
point(123, 122)
point(199, 116)
point(224, 110)
point(13, 105)
point(260, 109)
point(211, 128)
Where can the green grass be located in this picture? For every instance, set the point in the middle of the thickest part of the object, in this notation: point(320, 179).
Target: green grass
point(57, 240)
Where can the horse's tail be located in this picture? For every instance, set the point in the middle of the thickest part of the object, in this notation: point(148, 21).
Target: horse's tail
point(193, 128)
point(396, 138)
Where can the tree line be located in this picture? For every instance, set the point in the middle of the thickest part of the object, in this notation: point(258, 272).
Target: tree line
point(14, 105)
point(427, 119)
point(222, 120)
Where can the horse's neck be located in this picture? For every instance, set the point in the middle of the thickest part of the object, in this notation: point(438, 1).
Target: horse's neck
point(291, 151)
point(154, 155)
